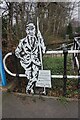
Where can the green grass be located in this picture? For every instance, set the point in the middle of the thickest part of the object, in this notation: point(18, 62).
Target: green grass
point(56, 65)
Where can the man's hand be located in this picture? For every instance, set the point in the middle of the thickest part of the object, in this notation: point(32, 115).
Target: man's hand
point(39, 34)
point(44, 50)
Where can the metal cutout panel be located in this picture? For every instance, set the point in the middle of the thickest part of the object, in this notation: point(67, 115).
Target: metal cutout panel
point(44, 79)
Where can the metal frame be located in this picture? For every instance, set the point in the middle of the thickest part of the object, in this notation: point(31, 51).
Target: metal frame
point(65, 52)
point(48, 52)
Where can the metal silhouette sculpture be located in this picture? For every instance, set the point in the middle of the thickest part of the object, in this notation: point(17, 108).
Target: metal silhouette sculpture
point(30, 50)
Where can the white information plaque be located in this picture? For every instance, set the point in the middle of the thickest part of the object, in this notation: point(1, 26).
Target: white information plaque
point(44, 79)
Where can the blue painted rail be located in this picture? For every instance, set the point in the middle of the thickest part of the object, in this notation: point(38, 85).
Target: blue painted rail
point(3, 81)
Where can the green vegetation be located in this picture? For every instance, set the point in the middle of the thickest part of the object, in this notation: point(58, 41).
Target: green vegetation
point(55, 64)
point(78, 29)
point(63, 100)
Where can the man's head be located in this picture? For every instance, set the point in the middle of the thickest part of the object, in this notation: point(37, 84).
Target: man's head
point(30, 29)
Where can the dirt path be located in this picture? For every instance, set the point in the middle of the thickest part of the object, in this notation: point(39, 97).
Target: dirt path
point(29, 107)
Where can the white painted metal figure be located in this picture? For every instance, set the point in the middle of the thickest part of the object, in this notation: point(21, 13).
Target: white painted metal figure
point(29, 51)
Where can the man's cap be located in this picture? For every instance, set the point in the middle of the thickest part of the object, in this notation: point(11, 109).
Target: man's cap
point(30, 25)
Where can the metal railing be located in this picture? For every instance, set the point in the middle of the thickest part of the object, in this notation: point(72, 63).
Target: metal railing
point(64, 76)
point(76, 56)
point(76, 46)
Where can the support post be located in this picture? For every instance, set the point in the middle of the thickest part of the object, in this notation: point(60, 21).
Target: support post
point(74, 55)
point(17, 72)
point(3, 81)
point(79, 79)
point(65, 52)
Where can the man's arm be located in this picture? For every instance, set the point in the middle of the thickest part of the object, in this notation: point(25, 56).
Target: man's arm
point(18, 50)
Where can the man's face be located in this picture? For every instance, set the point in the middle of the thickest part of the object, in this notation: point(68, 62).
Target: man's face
point(30, 30)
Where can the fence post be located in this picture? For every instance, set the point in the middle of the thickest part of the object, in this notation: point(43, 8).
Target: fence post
point(65, 52)
point(79, 77)
point(17, 72)
point(74, 61)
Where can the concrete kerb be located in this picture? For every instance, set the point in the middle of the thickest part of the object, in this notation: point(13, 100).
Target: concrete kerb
point(11, 86)
point(45, 97)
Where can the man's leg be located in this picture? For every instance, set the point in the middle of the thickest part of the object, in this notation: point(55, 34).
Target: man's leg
point(33, 78)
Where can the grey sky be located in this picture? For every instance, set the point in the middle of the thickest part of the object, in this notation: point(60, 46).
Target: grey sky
point(75, 12)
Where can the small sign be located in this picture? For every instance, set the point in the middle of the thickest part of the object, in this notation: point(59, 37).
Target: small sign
point(44, 79)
